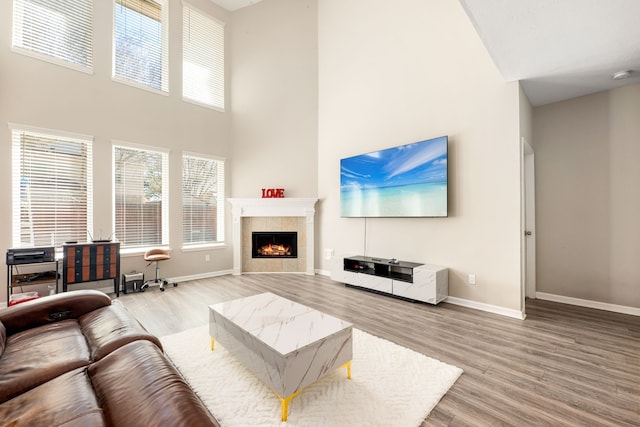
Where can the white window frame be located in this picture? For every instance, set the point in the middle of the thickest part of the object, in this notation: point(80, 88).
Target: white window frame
point(164, 86)
point(220, 201)
point(203, 38)
point(17, 161)
point(21, 46)
point(127, 248)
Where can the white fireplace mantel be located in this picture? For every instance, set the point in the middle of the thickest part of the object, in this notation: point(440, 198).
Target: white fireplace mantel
point(292, 206)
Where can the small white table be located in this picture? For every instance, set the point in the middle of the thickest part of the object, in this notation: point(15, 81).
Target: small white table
point(287, 345)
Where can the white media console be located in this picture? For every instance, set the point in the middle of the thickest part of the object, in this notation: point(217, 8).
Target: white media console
point(420, 282)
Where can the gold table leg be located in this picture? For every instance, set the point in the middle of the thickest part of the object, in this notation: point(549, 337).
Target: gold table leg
point(286, 400)
point(212, 343)
point(285, 404)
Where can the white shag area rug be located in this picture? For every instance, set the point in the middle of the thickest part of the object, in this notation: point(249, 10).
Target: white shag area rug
point(390, 386)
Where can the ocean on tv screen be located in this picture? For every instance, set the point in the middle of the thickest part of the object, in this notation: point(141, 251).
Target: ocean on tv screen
point(404, 181)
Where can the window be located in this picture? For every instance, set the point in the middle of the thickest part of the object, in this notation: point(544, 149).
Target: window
point(202, 58)
point(140, 43)
point(52, 187)
point(57, 31)
point(141, 196)
point(202, 200)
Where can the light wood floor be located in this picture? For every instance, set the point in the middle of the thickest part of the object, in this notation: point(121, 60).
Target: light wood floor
point(562, 366)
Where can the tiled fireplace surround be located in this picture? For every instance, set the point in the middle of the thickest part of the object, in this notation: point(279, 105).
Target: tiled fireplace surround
point(277, 214)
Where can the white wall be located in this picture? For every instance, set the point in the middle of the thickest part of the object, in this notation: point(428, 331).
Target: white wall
point(274, 98)
point(38, 93)
point(392, 73)
point(587, 197)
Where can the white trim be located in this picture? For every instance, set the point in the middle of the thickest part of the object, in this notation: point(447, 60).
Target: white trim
point(134, 84)
point(203, 105)
point(178, 280)
point(48, 133)
point(199, 276)
point(323, 272)
point(52, 59)
point(486, 307)
point(203, 156)
point(139, 147)
point(633, 311)
point(203, 247)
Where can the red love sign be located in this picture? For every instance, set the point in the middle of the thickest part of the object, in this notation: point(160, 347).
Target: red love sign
point(272, 193)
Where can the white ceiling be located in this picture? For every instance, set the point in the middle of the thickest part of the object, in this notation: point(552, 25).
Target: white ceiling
point(558, 49)
point(232, 5)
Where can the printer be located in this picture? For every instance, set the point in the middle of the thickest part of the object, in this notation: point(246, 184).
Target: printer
point(17, 256)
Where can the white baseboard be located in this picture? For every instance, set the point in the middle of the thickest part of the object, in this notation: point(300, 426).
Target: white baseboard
point(323, 272)
point(179, 279)
point(199, 276)
point(589, 303)
point(486, 307)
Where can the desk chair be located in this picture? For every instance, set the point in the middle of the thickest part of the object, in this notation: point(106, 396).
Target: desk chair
point(156, 255)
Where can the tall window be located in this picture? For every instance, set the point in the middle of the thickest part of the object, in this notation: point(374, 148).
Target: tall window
point(57, 31)
point(202, 200)
point(202, 58)
point(141, 52)
point(52, 187)
point(141, 196)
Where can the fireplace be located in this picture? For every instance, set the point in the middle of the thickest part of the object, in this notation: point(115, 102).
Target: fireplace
point(288, 213)
point(274, 244)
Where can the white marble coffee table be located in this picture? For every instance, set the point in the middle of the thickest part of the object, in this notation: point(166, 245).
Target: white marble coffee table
point(285, 344)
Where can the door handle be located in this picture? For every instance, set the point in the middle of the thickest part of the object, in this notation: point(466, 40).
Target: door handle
point(528, 233)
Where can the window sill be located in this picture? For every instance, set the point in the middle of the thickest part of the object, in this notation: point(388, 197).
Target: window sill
point(203, 247)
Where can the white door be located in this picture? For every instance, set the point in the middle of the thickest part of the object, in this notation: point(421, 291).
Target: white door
point(529, 209)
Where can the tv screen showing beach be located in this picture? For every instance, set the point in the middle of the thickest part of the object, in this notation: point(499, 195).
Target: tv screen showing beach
point(405, 181)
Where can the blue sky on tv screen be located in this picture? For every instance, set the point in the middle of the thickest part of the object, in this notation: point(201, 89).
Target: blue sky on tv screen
point(420, 162)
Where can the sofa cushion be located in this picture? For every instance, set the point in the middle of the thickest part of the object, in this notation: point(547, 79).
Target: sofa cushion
point(67, 400)
point(137, 385)
point(111, 327)
point(35, 356)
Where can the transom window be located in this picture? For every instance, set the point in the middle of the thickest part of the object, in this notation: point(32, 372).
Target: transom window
point(202, 200)
point(141, 52)
point(141, 196)
point(202, 58)
point(57, 31)
point(52, 187)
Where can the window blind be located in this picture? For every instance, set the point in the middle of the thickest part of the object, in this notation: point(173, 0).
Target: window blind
point(60, 31)
point(141, 48)
point(141, 196)
point(202, 58)
point(52, 187)
point(202, 200)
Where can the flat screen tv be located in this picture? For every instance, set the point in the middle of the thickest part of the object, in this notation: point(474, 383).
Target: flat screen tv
point(405, 181)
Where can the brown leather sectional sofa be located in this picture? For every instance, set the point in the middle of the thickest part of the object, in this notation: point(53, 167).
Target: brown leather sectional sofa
point(77, 359)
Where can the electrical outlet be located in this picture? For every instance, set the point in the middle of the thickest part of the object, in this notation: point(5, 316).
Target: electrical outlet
point(472, 279)
point(328, 254)
point(207, 258)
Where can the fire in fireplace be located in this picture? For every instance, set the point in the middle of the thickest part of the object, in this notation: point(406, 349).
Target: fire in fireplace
point(274, 244)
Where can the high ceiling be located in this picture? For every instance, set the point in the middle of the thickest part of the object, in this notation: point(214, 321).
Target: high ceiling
point(558, 49)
